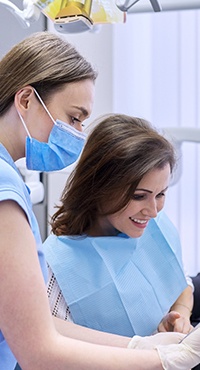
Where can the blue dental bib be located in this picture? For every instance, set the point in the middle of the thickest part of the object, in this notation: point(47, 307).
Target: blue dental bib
point(119, 284)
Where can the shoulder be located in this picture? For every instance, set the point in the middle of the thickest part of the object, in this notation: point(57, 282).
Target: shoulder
point(9, 175)
point(12, 186)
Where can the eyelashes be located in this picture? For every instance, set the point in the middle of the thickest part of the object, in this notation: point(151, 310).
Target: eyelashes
point(140, 197)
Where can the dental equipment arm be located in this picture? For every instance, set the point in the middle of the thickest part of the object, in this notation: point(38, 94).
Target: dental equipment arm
point(180, 134)
point(167, 5)
point(29, 14)
point(126, 5)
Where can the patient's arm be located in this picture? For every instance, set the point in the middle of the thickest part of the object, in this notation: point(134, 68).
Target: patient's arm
point(178, 319)
point(75, 331)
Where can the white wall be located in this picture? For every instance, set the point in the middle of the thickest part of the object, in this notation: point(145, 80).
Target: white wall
point(97, 48)
point(149, 67)
point(157, 77)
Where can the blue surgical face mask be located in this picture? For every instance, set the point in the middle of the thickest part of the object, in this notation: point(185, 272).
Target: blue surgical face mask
point(63, 148)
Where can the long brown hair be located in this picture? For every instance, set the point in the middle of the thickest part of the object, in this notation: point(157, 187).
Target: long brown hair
point(45, 61)
point(119, 152)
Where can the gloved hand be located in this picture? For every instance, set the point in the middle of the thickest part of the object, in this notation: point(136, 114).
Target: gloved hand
point(182, 356)
point(152, 341)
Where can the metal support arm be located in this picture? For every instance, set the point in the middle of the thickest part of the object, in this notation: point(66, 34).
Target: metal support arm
point(126, 5)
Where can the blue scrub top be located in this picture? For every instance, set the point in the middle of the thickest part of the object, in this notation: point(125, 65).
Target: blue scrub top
point(13, 187)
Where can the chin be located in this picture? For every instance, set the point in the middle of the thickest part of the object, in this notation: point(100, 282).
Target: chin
point(136, 234)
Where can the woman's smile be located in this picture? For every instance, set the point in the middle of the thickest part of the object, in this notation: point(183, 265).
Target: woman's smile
point(141, 224)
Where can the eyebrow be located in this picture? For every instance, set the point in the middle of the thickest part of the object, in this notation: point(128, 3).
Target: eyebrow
point(149, 191)
point(83, 110)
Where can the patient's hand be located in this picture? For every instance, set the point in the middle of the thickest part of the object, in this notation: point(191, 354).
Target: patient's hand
point(174, 321)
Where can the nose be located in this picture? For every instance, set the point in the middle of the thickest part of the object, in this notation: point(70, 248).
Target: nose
point(151, 209)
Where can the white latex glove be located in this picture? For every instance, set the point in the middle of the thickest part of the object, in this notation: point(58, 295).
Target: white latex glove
point(152, 341)
point(182, 356)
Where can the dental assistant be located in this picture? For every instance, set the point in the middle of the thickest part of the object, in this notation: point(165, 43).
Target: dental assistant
point(47, 88)
point(114, 257)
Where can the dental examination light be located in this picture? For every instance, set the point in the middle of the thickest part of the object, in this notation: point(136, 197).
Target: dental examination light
point(68, 16)
point(124, 6)
point(178, 135)
point(71, 16)
point(74, 17)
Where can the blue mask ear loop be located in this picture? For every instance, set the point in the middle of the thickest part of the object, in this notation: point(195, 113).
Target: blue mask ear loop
point(22, 120)
point(44, 106)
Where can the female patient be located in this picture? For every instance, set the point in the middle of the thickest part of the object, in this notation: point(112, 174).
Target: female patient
point(115, 259)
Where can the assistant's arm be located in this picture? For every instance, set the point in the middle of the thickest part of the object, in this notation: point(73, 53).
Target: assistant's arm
point(25, 318)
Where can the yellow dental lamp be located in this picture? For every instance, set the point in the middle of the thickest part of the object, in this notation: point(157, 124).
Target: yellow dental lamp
point(68, 16)
point(74, 17)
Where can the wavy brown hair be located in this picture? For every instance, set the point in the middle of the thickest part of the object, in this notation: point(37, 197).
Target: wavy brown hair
point(119, 151)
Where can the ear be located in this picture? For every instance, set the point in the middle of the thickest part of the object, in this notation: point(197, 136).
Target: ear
point(23, 99)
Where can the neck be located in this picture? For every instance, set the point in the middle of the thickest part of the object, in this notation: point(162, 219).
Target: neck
point(10, 135)
point(102, 228)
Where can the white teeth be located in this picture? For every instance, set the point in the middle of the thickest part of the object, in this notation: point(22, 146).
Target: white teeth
point(139, 221)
